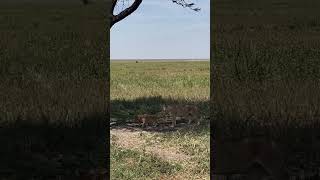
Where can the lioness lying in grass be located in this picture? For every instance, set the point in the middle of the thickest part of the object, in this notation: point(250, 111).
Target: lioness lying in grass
point(170, 113)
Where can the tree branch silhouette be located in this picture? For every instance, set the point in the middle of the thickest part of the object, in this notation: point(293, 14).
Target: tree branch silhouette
point(114, 18)
point(123, 14)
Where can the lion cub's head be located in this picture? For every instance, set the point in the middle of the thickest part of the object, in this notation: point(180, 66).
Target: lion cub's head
point(146, 119)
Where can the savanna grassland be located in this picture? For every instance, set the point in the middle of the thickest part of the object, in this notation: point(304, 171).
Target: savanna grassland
point(53, 89)
point(143, 87)
point(265, 75)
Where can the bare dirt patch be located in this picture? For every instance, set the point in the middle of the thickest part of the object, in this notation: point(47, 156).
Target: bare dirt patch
point(132, 139)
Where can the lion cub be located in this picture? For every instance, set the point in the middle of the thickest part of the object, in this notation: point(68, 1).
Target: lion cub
point(188, 112)
point(147, 119)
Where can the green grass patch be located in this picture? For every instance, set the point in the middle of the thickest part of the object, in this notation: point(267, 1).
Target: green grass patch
point(187, 80)
point(192, 141)
point(130, 164)
point(143, 87)
point(265, 70)
point(53, 76)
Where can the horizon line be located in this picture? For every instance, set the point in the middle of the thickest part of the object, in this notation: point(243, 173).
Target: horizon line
point(141, 59)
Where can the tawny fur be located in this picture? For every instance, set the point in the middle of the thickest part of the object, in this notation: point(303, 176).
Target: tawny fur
point(147, 119)
point(188, 112)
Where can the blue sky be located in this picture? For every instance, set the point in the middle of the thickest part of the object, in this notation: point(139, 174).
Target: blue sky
point(160, 29)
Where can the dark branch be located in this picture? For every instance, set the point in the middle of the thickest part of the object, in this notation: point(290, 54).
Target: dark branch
point(114, 3)
point(184, 4)
point(134, 6)
point(123, 14)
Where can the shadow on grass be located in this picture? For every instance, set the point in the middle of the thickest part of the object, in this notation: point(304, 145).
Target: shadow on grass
point(124, 111)
point(50, 151)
